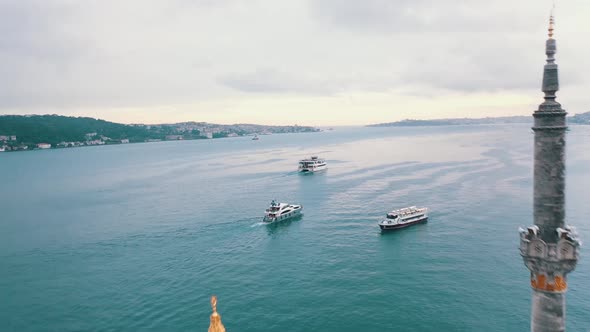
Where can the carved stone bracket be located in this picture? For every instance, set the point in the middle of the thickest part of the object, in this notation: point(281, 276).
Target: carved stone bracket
point(549, 263)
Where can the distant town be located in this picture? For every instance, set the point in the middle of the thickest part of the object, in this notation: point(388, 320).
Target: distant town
point(31, 132)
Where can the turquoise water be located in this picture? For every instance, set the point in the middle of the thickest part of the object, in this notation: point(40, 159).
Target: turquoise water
point(137, 237)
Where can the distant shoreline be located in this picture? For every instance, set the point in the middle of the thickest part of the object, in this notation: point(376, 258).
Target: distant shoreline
point(152, 141)
point(582, 118)
point(45, 132)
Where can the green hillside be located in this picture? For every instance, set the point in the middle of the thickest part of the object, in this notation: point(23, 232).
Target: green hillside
point(54, 129)
point(65, 131)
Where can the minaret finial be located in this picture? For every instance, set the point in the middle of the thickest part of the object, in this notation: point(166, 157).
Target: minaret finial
point(215, 325)
point(214, 303)
point(551, 22)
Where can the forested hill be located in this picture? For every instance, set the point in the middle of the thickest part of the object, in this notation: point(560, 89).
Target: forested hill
point(54, 129)
point(22, 132)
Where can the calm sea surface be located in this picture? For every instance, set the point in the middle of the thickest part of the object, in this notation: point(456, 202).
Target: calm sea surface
point(138, 237)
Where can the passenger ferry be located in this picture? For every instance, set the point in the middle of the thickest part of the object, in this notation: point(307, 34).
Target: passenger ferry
point(314, 164)
point(281, 211)
point(404, 217)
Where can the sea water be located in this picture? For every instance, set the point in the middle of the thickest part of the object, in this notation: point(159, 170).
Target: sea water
point(137, 237)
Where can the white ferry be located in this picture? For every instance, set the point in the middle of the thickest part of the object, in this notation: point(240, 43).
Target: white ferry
point(281, 211)
point(404, 217)
point(314, 164)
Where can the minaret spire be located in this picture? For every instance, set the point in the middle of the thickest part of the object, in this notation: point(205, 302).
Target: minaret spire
point(550, 248)
point(550, 74)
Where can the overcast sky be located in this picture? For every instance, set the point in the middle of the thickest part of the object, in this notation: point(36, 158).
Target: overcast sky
point(311, 62)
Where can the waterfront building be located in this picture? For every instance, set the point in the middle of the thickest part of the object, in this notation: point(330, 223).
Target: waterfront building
point(44, 146)
point(550, 248)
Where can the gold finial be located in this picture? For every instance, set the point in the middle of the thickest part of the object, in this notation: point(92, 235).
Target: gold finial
point(551, 21)
point(214, 303)
point(215, 325)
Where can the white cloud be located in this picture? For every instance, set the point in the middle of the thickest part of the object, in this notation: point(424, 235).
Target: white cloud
point(169, 58)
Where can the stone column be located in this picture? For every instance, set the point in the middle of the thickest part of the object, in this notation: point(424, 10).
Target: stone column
point(550, 248)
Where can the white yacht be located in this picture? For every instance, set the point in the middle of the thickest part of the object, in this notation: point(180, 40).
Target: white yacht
point(314, 164)
point(281, 211)
point(404, 217)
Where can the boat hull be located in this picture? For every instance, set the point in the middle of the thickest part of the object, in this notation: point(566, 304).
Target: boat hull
point(287, 216)
point(312, 169)
point(393, 227)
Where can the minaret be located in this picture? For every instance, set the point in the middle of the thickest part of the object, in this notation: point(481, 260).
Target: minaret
point(550, 248)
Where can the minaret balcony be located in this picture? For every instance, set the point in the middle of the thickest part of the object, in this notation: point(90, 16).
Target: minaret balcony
point(549, 263)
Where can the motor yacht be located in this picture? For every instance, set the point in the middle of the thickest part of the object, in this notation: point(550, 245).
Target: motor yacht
point(281, 211)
